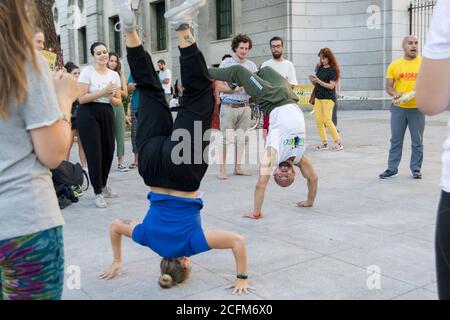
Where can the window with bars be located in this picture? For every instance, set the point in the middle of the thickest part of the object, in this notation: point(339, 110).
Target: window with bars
point(224, 19)
point(161, 37)
point(116, 37)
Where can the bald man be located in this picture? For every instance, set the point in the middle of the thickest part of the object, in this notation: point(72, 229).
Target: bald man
point(400, 81)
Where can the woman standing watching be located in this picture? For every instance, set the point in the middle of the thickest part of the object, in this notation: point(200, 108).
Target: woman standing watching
point(325, 81)
point(100, 92)
point(35, 135)
point(119, 111)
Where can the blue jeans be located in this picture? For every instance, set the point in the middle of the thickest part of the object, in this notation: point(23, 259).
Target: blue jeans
point(400, 119)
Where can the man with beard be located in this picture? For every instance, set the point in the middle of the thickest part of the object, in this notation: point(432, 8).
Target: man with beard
point(401, 84)
point(285, 144)
point(284, 67)
point(279, 63)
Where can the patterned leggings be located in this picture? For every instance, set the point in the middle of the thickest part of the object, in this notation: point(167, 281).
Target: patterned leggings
point(32, 267)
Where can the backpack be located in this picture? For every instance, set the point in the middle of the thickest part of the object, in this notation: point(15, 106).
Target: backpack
point(65, 177)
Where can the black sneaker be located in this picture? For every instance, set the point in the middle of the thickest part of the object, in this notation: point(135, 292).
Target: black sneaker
point(388, 174)
point(63, 202)
point(417, 175)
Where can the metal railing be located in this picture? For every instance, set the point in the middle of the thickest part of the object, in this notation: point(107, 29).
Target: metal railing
point(420, 13)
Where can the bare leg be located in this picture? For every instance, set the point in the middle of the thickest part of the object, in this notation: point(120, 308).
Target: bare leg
point(132, 39)
point(81, 151)
point(185, 38)
point(240, 148)
point(223, 163)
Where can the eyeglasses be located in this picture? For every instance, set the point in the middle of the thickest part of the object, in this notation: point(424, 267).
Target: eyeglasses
point(276, 47)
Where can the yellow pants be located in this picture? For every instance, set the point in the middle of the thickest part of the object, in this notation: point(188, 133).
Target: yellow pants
point(324, 113)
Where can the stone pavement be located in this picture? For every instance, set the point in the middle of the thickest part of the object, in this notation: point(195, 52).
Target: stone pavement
point(359, 225)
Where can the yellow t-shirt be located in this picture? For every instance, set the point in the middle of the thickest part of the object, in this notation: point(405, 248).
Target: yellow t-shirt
point(405, 72)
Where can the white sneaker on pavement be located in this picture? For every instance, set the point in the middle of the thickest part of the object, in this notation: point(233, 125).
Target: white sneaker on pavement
point(122, 168)
point(100, 202)
point(108, 193)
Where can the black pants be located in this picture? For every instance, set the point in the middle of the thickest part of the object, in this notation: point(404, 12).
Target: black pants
point(97, 133)
point(154, 138)
point(443, 247)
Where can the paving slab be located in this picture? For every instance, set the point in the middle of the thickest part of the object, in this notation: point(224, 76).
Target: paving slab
point(324, 252)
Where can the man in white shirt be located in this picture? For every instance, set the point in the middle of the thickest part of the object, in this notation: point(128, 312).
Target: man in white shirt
point(280, 63)
point(283, 66)
point(433, 97)
point(165, 76)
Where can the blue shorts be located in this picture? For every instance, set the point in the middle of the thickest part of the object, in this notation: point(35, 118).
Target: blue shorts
point(172, 227)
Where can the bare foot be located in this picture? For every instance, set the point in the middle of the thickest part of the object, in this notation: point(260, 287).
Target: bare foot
point(223, 176)
point(253, 215)
point(242, 173)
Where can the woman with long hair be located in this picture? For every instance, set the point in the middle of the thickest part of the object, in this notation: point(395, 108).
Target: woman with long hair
point(119, 111)
point(100, 93)
point(327, 75)
point(35, 133)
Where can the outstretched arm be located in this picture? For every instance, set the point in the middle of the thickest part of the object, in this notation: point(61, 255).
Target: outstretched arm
point(260, 192)
point(118, 229)
point(218, 239)
point(265, 172)
point(313, 181)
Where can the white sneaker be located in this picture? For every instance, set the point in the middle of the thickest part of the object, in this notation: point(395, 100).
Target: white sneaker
point(126, 16)
point(322, 147)
point(182, 16)
point(338, 147)
point(100, 202)
point(108, 193)
point(122, 168)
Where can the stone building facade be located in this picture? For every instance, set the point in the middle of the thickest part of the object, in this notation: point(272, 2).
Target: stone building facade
point(365, 35)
